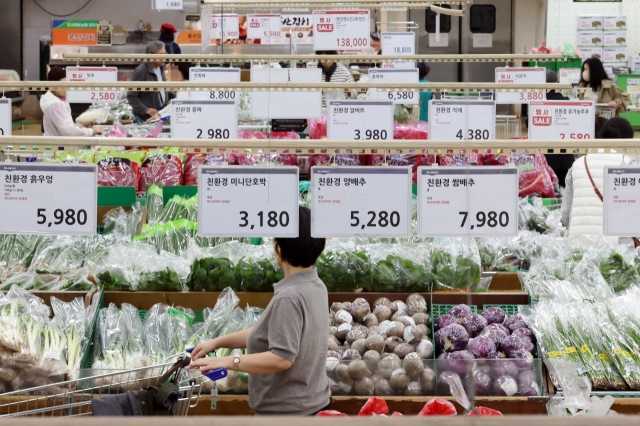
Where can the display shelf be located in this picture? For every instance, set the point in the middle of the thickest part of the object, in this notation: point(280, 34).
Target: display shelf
point(253, 4)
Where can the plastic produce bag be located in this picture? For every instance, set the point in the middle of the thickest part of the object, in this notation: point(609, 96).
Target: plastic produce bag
point(215, 322)
point(31, 281)
point(69, 317)
point(22, 251)
point(374, 407)
point(54, 346)
point(156, 330)
point(438, 407)
point(344, 267)
point(212, 269)
point(164, 272)
point(123, 265)
point(155, 203)
point(412, 130)
point(59, 255)
point(113, 340)
point(400, 268)
point(256, 269)
point(535, 175)
point(318, 127)
point(330, 413)
point(484, 412)
point(161, 168)
point(455, 263)
point(174, 209)
point(180, 328)
point(196, 160)
point(120, 170)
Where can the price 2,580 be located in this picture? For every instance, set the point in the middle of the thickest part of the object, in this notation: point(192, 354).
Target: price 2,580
point(491, 219)
point(69, 217)
point(381, 219)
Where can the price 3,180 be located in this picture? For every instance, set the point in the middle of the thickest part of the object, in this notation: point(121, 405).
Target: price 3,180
point(381, 219)
point(69, 217)
point(271, 219)
point(490, 219)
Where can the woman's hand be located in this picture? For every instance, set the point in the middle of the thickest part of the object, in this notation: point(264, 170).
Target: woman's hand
point(209, 363)
point(613, 104)
point(203, 349)
point(153, 118)
point(98, 130)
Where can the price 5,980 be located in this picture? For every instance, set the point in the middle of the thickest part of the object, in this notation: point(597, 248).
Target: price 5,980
point(69, 217)
point(381, 219)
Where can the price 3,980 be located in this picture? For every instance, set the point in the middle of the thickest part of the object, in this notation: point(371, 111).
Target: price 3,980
point(69, 217)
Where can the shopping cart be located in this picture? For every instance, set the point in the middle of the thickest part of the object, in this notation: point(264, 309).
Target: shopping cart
point(507, 126)
point(605, 111)
point(73, 398)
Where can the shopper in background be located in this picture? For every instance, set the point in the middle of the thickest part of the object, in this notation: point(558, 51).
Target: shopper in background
point(425, 97)
point(57, 119)
point(147, 104)
point(333, 72)
point(582, 209)
point(375, 42)
point(167, 35)
point(603, 90)
point(178, 72)
point(287, 348)
point(560, 163)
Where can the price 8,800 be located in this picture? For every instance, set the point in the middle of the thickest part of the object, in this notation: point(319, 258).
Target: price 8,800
point(477, 134)
point(213, 134)
point(381, 219)
point(491, 219)
point(62, 217)
point(370, 135)
point(222, 95)
point(271, 219)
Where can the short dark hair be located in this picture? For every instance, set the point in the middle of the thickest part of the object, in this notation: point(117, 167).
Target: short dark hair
point(597, 73)
point(326, 52)
point(56, 73)
point(184, 68)
point(303, 251)
point(617, 128)
point(600, 122)
point(423, 70)
point(552, 76)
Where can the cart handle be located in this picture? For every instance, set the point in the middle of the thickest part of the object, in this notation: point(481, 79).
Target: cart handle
point(183, 363)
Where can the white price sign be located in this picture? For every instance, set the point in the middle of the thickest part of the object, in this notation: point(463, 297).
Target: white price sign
point(621, 201)
point(398, 43)
point(169, 4)
point(569, 75)
point(520, 75)
point(248, 201)
point(225, 26)
point(202, 119)
point(264, 26)
point(462, 120)
point(5, 117)
point(214, 75)
point(341, 30)
point(394, 76)
point(346, 202)
point(300, 103)
point(42, 198)
point(360, 120)
point(92, 75)
point(461, 201)
point(562, 120)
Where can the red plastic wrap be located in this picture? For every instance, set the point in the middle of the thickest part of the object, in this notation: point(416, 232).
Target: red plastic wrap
point(414, 161)
point(341, 160)
point(250, 134)
point(195, 160)
point(484, 412)
point(317, 128)
point(162, 168)
point(284, 135)
point(396, 414)
point(330, 413)
point(256, 159)
point(438, 407)
point(412, 130)
point(536, 177)
point(118, 172)
point(374, 407)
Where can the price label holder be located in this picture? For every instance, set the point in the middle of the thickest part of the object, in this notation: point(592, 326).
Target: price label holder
point(5, 117)
point(462, 201)
point(562, 120)
point(225, 26)
point(400, 44)
point(295, 103)
point(347, 202)
point(462, 120)
point(569, 75)
point(92, 75)
point(405, 97)
point(264, 27)
point(359, 120)
point(341, 30)
point(248, 201)
point(520, 75)
point(621, 201)
point(169, 4)
point(214, 75)
point(54, 199)
point(202, 119)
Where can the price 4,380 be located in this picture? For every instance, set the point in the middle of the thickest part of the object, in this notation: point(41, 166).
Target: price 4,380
point(68, 217)
point(490, 219)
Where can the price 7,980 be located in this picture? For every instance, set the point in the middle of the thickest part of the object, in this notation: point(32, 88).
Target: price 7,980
point(384, 219)
point(491, 219)
point(273, 219)
point(69, 217)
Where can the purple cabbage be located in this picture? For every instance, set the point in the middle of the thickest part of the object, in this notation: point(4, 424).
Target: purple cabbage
point(481, 347)
point(474, 324)
point(504, 386)
point(494, 315)
point(460, 311)
point(443, 386)
point(459, 361)
point(514, 322)
point(511, 344)
point(452, 338)
point(443, 320)
point(481, 381)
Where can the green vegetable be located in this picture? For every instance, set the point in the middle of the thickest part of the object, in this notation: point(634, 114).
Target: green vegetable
point(344, 271)
point(451, 272)
point(397, 274)
point(165, 280)
point(112, 282)
point(256, 275)
point(619, 274)
point(76, 285)
point(155, 204)
point(211, 274)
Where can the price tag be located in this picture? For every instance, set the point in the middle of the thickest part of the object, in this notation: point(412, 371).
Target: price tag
point(202, 119)
point(264, 27)
point(43, 198)
point(360, 120)
point(341, 30)
point(5, 117)
point(463, 120)
point(570, 75)
point(169, 4)
point(394, 76)
point(400, 44)
point(462, 201)
point(248, 201)
point(92, 75)
point(399, 64)
point(520, 75)
point(621, 201)
point(346, 202)
point(286, 104)
point(214, 75)
point(225, 26)
point(562, 120)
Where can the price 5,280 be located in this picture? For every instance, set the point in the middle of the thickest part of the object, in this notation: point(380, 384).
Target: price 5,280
point(68, 217)
point(381, 219)
point(490, 219)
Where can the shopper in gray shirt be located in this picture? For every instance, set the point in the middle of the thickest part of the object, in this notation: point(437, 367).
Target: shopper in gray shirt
point(287, 348)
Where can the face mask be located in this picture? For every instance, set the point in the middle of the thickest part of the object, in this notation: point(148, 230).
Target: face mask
point(585, 75)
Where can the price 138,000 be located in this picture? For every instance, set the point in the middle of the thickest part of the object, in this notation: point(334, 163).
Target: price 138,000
point(68, 217)
point(271, 219)
point(490, 219)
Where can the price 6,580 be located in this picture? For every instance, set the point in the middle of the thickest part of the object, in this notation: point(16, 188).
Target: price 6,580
point(272, 219)
point(381, 219)
point(491, 219)
point(69, 217)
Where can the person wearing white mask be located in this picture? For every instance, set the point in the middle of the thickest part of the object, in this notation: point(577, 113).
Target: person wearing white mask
point(600, 88)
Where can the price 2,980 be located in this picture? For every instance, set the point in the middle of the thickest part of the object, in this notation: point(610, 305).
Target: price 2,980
point(214, 133)
point(477, 134)
point(381, 219)
point(491, 219)
point(371, 135)
point(272, 219)
point(69, 217)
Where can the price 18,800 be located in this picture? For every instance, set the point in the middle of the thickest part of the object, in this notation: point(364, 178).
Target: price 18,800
point(67, 217)
point(213, 134)
point(490, 219)
point(271, 219)
point(375, 219)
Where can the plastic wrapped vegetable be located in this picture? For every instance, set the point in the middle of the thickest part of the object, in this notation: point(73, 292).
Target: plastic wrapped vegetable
point(180, 328)
point(455, 263)
point(212, 269)
point(162, 167)
point(617, 268)
point(22, 251)
point(54, 346)
point(343, 266)
point(69, 317)
point(113, 340)
point(62, 255)
point(174, 210)
point(156, 329)
point(215, 322)
point(120, 169)
point(256, 270)
point(155, 203)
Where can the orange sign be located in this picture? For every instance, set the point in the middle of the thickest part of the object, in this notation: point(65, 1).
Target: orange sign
point(191, 37)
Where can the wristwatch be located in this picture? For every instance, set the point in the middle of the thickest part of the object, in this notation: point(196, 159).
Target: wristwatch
point(236, 363)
